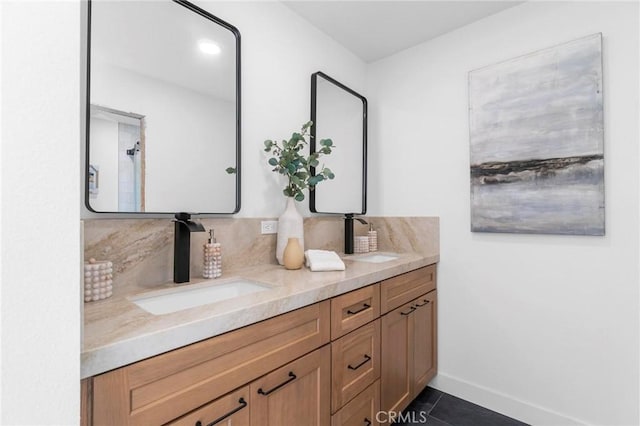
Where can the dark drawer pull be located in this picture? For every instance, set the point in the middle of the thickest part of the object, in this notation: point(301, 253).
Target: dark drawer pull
point(426, 302)
point(413, 308)
point(243, 404)
point(292, 377)
point(364, 308)
point(367, 358)
point(367, 422)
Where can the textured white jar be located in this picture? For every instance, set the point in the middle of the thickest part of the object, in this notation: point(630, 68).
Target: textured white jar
point(289, 226)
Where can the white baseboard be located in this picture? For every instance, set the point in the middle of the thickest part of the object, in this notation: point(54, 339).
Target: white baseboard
point(501, 403)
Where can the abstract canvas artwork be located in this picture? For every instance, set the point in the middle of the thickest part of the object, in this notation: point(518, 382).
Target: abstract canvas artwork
point(536, 142)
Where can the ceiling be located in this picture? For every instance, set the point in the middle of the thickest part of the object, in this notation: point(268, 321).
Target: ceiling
point(373, 30)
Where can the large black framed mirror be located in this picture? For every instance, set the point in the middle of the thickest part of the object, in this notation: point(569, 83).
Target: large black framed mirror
point(340, 114)
point(162, 109)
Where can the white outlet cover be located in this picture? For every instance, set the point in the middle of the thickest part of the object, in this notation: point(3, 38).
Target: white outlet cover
point(269, 227)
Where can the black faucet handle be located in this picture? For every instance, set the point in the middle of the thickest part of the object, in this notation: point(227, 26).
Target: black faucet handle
point(182, 216)
point(185, 219)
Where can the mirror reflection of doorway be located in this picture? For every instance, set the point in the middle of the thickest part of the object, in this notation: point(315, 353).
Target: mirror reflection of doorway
point(119, 155)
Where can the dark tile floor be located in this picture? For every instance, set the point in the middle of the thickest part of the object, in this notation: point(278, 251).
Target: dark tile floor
point(436, 408)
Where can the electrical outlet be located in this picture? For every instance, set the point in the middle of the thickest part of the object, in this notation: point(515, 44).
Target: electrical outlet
point(269, 226)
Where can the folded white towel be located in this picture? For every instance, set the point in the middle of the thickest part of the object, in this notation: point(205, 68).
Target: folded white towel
point(323, 260)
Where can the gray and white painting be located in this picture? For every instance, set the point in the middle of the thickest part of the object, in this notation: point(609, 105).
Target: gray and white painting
point(536, 133)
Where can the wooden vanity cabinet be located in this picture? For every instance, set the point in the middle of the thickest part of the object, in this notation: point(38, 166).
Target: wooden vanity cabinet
point(336, 362)
point(409, 352)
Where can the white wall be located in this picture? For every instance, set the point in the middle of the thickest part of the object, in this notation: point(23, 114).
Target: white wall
point(280, 51)
point(40, 216)
point(540, 327)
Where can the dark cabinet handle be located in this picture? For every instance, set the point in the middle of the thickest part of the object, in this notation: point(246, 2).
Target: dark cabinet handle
point(243, 404)
point(292, 377)
point(364, 307)
point(413, 308)
point(426, 302)
point(367, 422)
point(367, 358)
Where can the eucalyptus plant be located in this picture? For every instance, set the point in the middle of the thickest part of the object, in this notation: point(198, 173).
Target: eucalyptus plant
point(288, 159)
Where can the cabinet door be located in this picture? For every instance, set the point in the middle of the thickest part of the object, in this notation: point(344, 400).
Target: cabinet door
point(397, 358)
point(424, 341)
point(296, 394)
point(231, 409)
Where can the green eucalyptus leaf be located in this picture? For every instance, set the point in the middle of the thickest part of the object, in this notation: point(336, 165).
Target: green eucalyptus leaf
point(306, 125)
point(299, 196)
point(231, 170)
point(273, 161)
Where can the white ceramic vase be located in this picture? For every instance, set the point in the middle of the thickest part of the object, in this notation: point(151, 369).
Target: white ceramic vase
point(289, 226)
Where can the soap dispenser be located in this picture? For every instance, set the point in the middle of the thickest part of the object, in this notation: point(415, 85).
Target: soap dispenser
point(212, 254)
point(373, 238)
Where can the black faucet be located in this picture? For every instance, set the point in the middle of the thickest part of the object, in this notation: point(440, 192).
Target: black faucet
point(348, 231)
point(182, 246)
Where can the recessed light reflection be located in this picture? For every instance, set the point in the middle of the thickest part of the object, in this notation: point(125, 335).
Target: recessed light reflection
point(208, 47)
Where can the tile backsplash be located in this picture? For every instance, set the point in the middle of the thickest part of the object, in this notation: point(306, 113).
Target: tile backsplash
point(142, 249)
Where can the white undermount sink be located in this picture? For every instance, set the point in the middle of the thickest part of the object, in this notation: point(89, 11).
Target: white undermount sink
point(376, 257)
point(178, 299)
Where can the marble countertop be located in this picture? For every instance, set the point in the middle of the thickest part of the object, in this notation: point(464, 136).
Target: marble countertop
point(117, 332)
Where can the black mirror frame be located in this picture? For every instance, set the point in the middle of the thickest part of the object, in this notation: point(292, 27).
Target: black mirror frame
point(236, 34)
point(312, 143)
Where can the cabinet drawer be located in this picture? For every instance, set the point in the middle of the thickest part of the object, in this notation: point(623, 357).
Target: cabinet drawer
point(355, 363)
point(361, 410)
point(404, 288)
point(160, 389)
point(352, 310)
point(230, 409)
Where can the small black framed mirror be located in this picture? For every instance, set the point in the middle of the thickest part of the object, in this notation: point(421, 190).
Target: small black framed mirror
point(340, 114)
point(162, 109)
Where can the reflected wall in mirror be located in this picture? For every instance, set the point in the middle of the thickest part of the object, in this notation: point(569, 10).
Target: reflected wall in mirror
point(163, 109)
point(340, 114)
